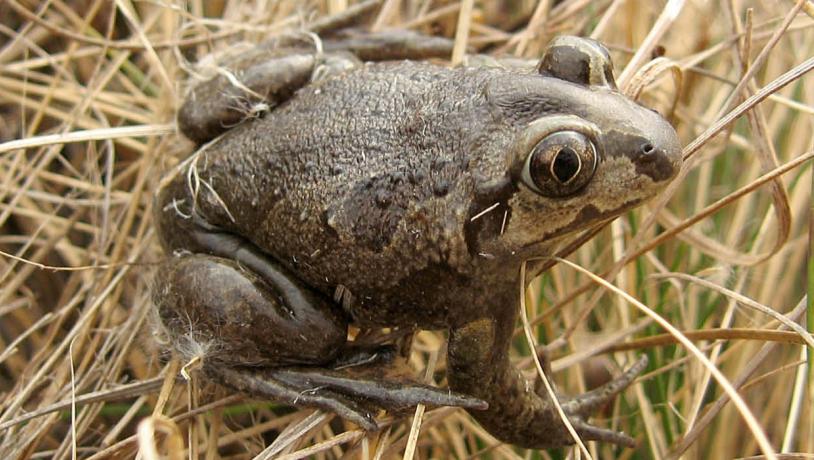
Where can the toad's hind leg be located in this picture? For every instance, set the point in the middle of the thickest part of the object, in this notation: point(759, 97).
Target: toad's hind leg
point(278, 340)
point(265, 76)
point(217, 308)
point(259, 79)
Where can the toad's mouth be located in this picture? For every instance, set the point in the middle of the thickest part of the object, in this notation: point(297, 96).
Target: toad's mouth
point(588, 215)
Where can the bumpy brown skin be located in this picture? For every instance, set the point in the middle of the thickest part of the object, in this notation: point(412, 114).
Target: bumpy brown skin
point(372, 179)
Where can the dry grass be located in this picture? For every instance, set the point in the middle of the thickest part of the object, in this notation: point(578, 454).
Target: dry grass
point(88, 89)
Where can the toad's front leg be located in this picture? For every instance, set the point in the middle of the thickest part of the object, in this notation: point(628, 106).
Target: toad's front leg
point(479, 366)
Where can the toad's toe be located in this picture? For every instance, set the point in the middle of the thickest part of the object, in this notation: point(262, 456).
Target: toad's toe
point(588, 403)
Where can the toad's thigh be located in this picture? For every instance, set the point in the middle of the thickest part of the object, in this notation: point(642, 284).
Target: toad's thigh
point(213, 307)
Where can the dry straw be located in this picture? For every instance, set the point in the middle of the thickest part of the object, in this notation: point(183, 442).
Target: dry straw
point(716, 266)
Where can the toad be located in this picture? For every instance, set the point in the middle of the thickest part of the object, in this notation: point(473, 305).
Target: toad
point(355, 183)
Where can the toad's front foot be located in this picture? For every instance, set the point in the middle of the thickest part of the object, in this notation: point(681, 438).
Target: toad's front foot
point(518, 413)
point(581, 407)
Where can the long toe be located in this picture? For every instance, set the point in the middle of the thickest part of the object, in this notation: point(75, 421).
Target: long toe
point(389, 395)
point(341, 406)
point(264, 384)
point(588, 403)
point(589, 432)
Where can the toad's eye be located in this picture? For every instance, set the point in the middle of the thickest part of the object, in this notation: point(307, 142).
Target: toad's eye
point(561, 164)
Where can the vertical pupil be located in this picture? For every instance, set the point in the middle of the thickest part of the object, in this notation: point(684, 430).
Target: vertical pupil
point(566, 164)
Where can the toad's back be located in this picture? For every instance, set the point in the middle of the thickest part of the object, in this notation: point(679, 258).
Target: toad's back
point(352, 172)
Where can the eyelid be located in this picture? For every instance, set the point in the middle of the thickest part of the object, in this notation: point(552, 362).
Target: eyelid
point(538, 129)
point(544, 126)
point(525, 172)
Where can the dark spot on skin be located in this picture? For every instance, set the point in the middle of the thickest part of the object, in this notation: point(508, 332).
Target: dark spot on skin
point(588, 214)
point(373, 210)
point(658, 167)
point(398, 177)
point(383, 198)
point(325, 218)
point(488, 226)
point(272, 162)
point(440, 188)
point(438, 164)
point(416, 177)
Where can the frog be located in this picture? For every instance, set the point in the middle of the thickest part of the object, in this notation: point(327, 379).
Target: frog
point(353, 183)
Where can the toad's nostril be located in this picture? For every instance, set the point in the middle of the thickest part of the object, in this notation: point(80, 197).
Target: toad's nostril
point(647, 148)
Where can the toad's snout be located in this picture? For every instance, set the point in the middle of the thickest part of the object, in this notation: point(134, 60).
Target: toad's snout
point(650, 143)
point(658, 156)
